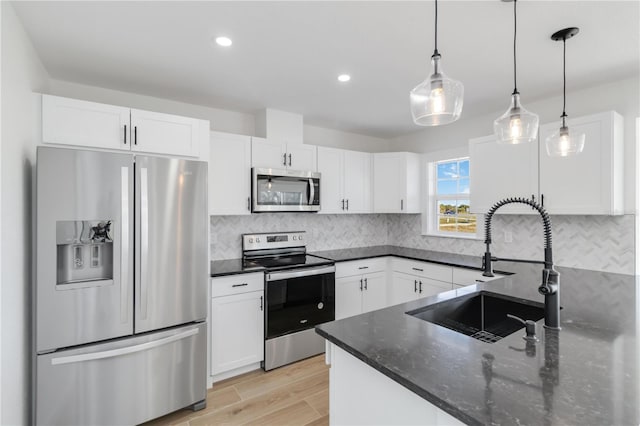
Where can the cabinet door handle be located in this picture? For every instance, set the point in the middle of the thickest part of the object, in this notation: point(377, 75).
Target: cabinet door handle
point(261, 308)
point(418, 269)
point(249, 203)
point(420, 291)
point(135, 135)
point(347, 204)
point(365, 283)
point(289, 160)
point(284, 159)
point(363, 267)
point(343, 204)
point(360, 284)
point(542, 199)
point(401, 205)
point(125, 134)
point(415, 286)
point(240, 285)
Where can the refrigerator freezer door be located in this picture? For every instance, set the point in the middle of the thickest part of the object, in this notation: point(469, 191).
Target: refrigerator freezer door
point(84, 233)
point(127, 381)
point(171, 242)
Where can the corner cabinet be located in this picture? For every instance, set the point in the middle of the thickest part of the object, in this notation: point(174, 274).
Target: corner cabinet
point(346, 180)
point(396, 182)
point(590, 183)
point(229, 174)
point(68, 121)
point(237, 324)
point(281, 155)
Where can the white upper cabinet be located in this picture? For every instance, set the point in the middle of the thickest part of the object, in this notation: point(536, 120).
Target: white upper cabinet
point(357, 181)
point(499, 171)
point(589, 183)
point(267, 153)
point(89, 124)
point(396, 182)
point(301, 157)
point(346, 180)
point(331, 167)
point(229, 174)
point(165, 133)
point(592, 181)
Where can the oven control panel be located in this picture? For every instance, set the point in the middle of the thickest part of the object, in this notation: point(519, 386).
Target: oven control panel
point(274, 240)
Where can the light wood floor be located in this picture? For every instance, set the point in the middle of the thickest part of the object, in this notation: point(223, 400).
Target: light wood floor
point(297, 394)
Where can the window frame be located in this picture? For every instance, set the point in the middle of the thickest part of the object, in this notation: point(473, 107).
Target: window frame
point(431, 210)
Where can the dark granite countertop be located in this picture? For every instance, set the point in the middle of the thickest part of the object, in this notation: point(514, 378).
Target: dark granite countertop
point(587, 374)
point(230, 267)
point(235, 266)
point(343, 255)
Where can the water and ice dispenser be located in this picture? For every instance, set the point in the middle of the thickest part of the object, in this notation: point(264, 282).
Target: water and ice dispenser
point(84, 252)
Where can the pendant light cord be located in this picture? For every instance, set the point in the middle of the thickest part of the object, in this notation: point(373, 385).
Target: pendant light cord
point(435, 51)
point(515, 32)
point(564, 79)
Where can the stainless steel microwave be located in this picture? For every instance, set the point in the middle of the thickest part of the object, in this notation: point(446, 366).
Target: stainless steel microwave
point(280, 190)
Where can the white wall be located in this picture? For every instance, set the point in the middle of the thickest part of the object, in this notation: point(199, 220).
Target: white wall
point(314, 135)
point(221, 120)
point(622, 96)
point(22, 73)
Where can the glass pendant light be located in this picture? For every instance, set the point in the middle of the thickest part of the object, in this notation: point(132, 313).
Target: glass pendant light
point(563, 143)
point(438, 99)
point(517, 125)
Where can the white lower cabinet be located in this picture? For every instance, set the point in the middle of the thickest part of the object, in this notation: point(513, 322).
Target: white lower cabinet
point(411, 287)
point(237, 324)
point(361, 286)
point(413, 280)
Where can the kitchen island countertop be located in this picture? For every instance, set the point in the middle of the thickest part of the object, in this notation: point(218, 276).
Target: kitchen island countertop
point(588, 375)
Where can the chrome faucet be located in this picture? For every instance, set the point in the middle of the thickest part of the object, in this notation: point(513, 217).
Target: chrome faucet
point(550, 287)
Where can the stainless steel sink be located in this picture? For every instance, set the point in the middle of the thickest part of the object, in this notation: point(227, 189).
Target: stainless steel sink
point(481, 315)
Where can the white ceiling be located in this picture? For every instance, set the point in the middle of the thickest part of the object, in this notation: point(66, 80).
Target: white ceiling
point(287, 55)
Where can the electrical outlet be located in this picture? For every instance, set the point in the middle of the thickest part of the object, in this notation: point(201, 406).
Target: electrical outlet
point(508, 237)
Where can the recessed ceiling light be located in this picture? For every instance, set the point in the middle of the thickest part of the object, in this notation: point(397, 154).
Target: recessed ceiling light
point(224, 41)
point(344, 78)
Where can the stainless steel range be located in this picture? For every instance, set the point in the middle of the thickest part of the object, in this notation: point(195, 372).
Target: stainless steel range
point(299, 294)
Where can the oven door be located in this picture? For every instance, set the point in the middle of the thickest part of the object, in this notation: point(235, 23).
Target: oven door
point(299, 299)
point(285, 190)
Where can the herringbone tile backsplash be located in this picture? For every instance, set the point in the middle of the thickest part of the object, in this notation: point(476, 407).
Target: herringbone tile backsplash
point(603, 243)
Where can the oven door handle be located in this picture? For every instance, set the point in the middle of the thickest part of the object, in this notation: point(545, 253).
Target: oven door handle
point(306, 272)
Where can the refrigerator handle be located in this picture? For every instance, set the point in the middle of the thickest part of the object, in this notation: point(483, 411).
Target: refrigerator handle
point(123, 351)
point(124, 244)
point(144, 241)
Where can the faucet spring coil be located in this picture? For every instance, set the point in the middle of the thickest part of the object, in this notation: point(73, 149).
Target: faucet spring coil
point(546, 220)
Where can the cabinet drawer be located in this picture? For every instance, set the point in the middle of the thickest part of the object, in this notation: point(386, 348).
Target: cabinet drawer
point(359, 267)
point(423, 269)
point(463, 276)
point(237, 284)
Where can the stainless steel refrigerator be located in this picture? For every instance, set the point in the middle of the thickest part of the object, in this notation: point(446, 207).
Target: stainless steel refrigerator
point(121, 279)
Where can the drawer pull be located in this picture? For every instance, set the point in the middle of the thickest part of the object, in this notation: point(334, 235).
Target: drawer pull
point(363, 267)
point(480, 281)
point(418, 269)
point(240, 285)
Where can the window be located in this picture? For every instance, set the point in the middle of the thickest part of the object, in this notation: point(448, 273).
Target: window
point(449, 213)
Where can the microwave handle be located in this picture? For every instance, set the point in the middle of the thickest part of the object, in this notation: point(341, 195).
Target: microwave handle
point(312, 192)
